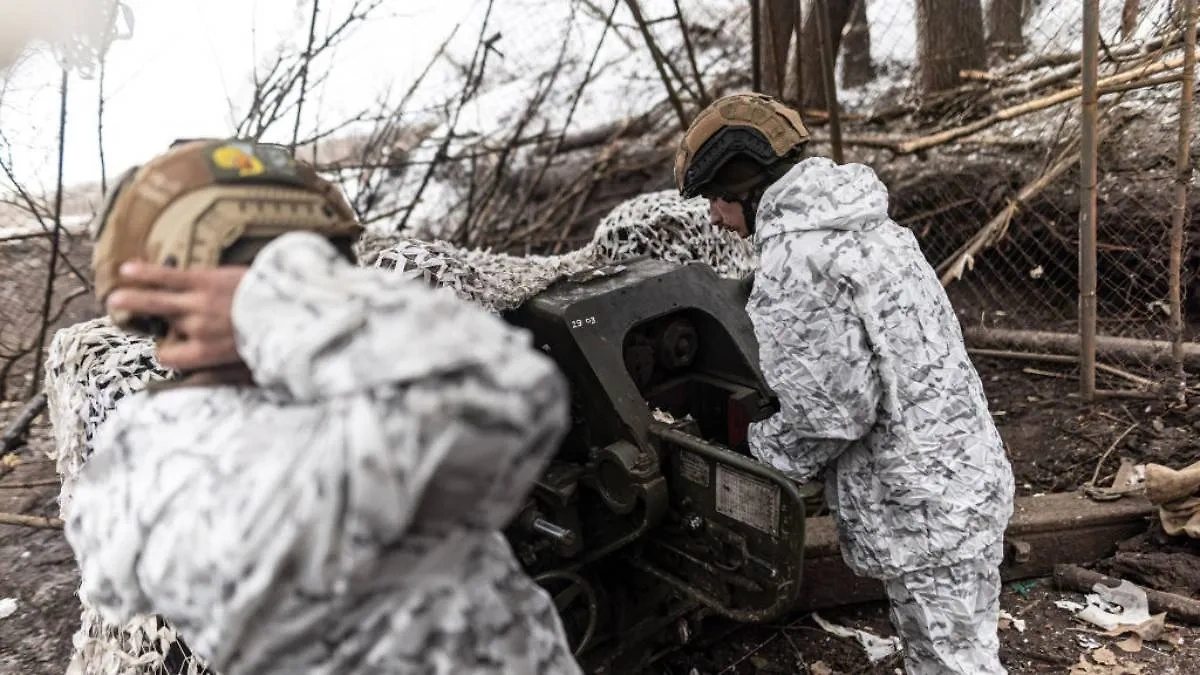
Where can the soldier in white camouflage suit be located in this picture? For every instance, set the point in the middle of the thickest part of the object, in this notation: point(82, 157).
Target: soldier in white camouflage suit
point(878, 396)
point(320, 490)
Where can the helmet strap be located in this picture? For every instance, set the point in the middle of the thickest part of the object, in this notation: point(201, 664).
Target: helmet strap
point(749, 213)
point(750, 205)
point(770, 175)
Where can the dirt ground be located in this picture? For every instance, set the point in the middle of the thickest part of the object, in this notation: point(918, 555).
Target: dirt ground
point(37, 567)
point(1054, 439)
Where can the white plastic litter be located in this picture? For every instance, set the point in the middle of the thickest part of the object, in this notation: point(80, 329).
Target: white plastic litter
point(8, 607)
point(1018, 624)
point(1108, 608)
point(877, 648)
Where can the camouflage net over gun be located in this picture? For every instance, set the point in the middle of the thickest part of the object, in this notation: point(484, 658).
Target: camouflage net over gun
point(93, 365)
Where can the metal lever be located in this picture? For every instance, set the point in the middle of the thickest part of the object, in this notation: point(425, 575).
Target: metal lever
point(560, 534)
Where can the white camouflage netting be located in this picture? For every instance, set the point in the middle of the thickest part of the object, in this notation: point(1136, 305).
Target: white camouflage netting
point(92, 365)
point(659, 225)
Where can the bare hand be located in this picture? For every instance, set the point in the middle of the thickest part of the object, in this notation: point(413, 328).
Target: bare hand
point(197, 305)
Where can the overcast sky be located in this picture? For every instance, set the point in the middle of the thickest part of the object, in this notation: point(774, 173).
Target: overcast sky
point(187, 58)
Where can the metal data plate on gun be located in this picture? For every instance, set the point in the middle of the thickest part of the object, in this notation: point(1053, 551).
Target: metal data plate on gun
point(736, 543)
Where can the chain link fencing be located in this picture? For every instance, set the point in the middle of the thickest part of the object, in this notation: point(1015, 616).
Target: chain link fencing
point(575, 106)
point(987, 174)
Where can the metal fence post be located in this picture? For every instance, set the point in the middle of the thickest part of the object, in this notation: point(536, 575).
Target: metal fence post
point(1183, 181)
point(1087, 207)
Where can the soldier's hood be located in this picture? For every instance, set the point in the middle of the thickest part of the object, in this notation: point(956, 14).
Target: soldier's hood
point(818, 194)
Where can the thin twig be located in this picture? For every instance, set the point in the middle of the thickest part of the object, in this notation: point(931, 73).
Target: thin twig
point(1062, 358)
point(1045, 373)
point(1099, 464)
point(37, 522)
point(691, 55)
point(100, 124)
point(478, 58)
point(750, 653)
point(800, 662)
point(24, 236)
point(578, 96)
point(308, 55)
point(30, 484)
point(368, 193)
point(658, 59)
point(271, 98)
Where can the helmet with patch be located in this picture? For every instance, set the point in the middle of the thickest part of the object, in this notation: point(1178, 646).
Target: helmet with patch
point(736, 145)
point(205, 203)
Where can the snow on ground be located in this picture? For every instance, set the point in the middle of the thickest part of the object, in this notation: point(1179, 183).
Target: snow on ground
point(74, 224)
point(1053, 26)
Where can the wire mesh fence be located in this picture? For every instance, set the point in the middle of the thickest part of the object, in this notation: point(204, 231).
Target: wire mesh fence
point(969, 110)
point(987, 170)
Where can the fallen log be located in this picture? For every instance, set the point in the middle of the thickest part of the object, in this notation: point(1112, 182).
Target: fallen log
point(1118, 348)
point(1066, 359)
point(20, 426)
point(1075, 578)
point(1046, 530)
point(38, 522)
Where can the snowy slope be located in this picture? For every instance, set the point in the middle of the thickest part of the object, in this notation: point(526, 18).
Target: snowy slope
point(531, 36)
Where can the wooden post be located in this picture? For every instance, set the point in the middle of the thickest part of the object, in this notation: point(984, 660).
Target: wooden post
point(1183, 183)
point(1087, 207)
point(821, 7)
point(798, 55)
point(755, 47)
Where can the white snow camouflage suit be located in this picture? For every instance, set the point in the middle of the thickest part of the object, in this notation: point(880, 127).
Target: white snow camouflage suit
point(879, 398)
point(341, 518)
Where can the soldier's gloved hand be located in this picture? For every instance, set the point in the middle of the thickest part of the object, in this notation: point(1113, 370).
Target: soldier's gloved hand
point(813, 494)
point(197, 304)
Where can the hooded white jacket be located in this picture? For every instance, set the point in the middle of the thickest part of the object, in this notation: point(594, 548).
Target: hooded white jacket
point(861, 344)
point(342, 518)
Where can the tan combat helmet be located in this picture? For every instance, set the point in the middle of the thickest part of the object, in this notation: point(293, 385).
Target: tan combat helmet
point(205, 203)
point(755, 131)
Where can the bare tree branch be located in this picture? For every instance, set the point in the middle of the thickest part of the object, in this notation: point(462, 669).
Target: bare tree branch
point(307, 61)
point(537, 181)
point(659, 62)
point(369, 185)
point(469, 88)
point(58, 198)
point(278, 91)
